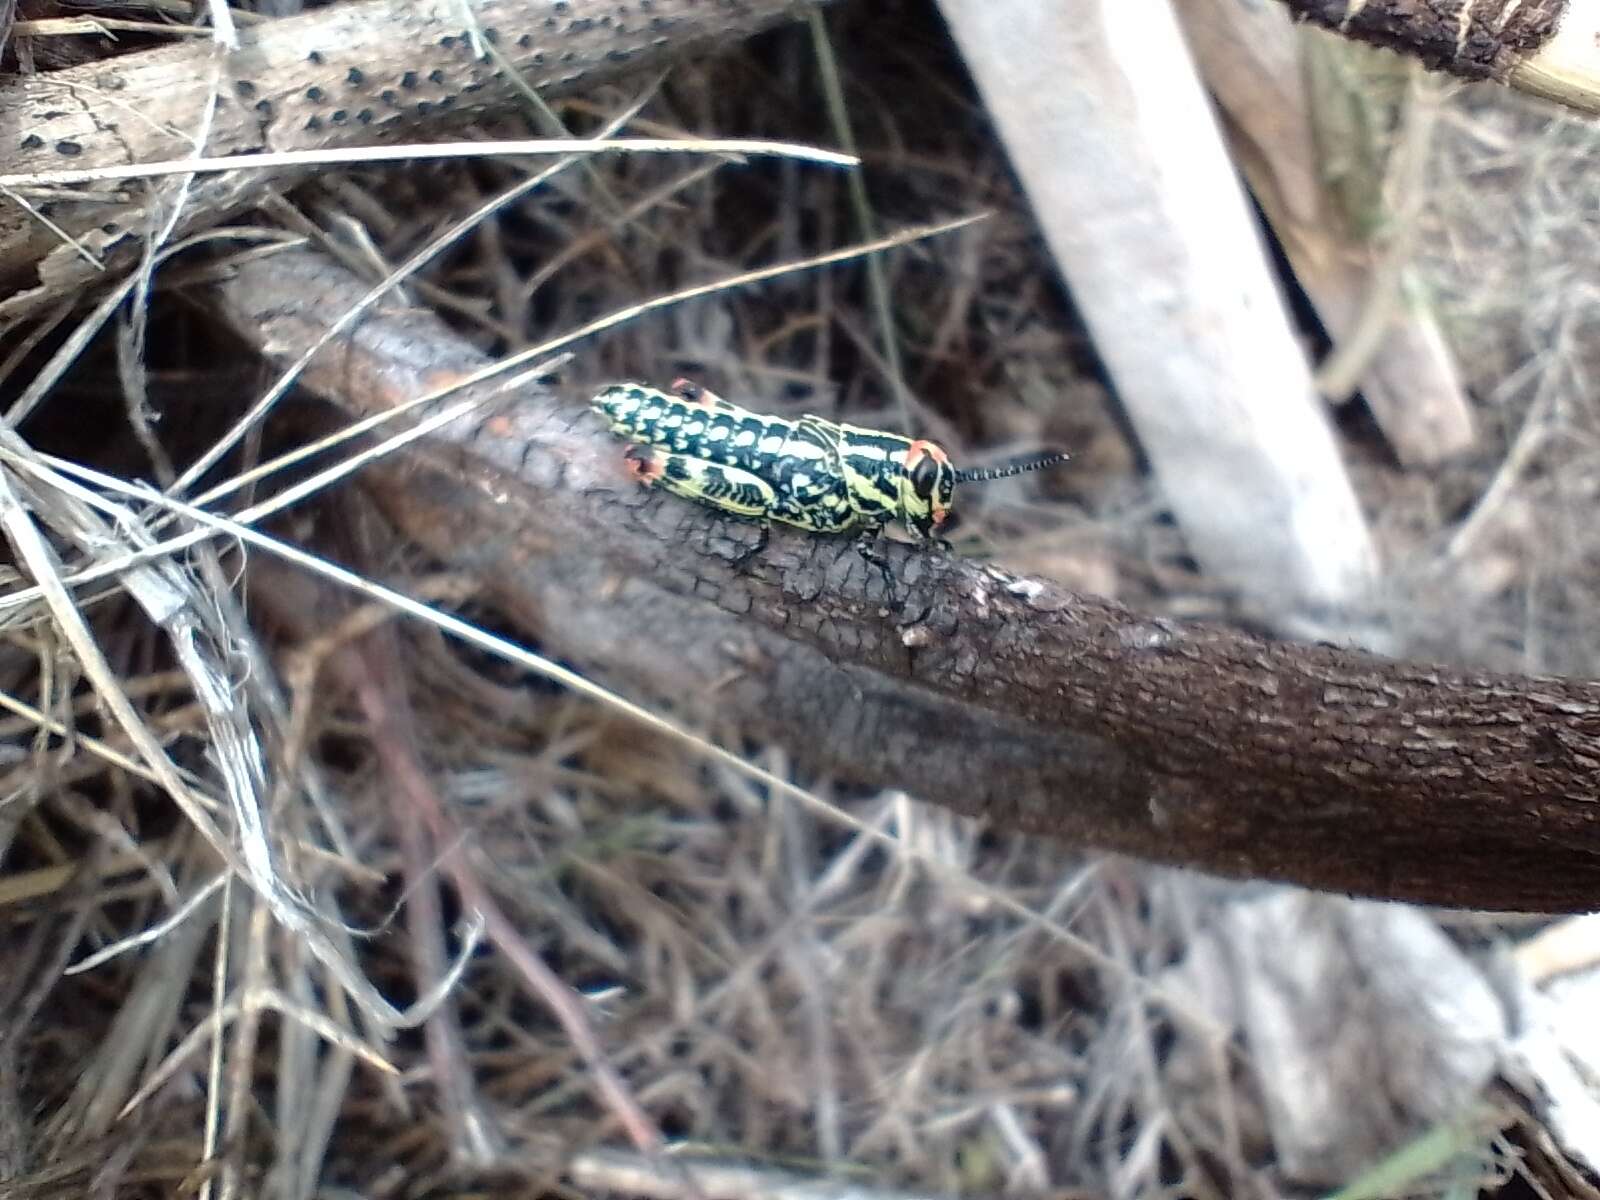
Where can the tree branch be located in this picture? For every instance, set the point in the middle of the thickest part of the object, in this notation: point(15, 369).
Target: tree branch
point(1475, 39)
point(1001, 697)
point(347, 75)
point(1544, 47)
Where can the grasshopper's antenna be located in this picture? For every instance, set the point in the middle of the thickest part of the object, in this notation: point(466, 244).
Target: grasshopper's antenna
point(984, 474)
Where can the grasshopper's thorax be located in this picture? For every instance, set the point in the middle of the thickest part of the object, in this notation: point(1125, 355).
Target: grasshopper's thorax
point(895, 478)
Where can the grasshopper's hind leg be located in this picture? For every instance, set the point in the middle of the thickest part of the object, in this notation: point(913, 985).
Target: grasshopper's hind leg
point(717, 486)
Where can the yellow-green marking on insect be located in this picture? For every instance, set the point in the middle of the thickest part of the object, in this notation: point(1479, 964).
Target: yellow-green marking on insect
point(819, 475)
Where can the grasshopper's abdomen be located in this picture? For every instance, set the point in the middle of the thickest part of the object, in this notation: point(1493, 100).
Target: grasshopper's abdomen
point(708, 428)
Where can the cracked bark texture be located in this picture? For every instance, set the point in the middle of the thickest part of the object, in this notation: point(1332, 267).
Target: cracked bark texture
point(1473, 39)
point(1001, 697)
point(346, 75)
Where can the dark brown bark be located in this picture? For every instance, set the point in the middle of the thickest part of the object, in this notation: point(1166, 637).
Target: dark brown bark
point(1475, 39)
point(1001, 697)
point(347, 75)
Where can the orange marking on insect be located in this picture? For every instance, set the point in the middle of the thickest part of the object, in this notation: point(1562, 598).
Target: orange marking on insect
point(688, 389)
point(643, 465)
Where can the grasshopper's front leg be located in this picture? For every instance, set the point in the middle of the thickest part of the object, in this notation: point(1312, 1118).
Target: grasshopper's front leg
point(869, 547)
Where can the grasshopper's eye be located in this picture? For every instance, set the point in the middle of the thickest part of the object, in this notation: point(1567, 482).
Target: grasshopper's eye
point(925, 475)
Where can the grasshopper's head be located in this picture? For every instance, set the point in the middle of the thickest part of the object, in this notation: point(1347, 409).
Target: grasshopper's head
point(927, 483)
